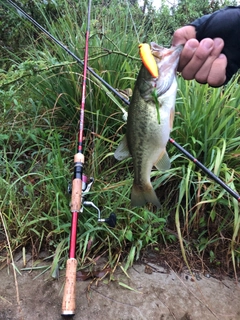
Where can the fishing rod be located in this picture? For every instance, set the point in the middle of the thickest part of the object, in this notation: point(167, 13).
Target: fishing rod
point(206, 170)
point(172, 141)
point(69, 294)
point(80, 187)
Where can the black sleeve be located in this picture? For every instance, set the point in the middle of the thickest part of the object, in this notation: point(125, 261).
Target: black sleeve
point(223, 24)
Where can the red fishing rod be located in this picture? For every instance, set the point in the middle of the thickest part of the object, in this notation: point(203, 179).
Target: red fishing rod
point(79, 189)
point(69, 295)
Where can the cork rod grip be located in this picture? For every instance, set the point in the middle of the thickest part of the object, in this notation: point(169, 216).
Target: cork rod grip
point(69, 294)
point(76, 199)
point(77, 183)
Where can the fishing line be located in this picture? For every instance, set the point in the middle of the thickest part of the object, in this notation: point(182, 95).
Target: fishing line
point(134, 25)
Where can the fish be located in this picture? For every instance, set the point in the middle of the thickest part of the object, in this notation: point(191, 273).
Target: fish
point(149, 123)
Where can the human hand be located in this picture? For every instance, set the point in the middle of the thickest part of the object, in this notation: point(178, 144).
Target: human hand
point(202, 60)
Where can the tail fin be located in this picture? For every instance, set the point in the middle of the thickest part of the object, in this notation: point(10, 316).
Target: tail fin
point(142, 195)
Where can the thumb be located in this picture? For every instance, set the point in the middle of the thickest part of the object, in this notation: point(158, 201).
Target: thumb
point(182, 35)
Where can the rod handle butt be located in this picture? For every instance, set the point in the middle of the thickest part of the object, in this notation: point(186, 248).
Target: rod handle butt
point(69, 294)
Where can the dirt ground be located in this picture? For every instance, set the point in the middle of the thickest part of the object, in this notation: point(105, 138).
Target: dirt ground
point(152, 293)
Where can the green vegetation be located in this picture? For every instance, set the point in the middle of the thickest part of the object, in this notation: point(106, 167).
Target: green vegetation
point(40, 87)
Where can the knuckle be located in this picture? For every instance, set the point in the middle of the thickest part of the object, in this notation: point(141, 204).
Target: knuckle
point(201, 78)
point(217, 74)
point(215, 80)
point(201, 54)
point(187, 75)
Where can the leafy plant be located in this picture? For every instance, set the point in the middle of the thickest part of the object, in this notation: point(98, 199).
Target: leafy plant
point(41, 93)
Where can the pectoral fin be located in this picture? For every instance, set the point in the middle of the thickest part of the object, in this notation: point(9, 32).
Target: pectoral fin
point(163, 163)
point(122, 151)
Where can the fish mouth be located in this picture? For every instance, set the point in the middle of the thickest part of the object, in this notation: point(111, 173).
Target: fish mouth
point(170, 55)
point(168, 58)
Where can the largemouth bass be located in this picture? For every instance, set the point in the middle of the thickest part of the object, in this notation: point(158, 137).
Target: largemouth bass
point(149, 123)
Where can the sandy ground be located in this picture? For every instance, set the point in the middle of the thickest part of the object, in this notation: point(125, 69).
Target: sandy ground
point(158, 294)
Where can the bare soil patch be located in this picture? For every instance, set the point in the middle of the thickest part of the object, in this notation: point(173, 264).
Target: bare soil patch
point(157, 293)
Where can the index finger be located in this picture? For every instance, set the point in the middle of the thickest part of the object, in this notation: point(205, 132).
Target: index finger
point(187, 53)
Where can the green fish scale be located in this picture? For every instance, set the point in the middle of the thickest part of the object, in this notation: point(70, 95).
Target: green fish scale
point(142, 137)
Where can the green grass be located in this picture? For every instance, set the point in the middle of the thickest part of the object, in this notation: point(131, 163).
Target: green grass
point(39, 114)
point(205, 212)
